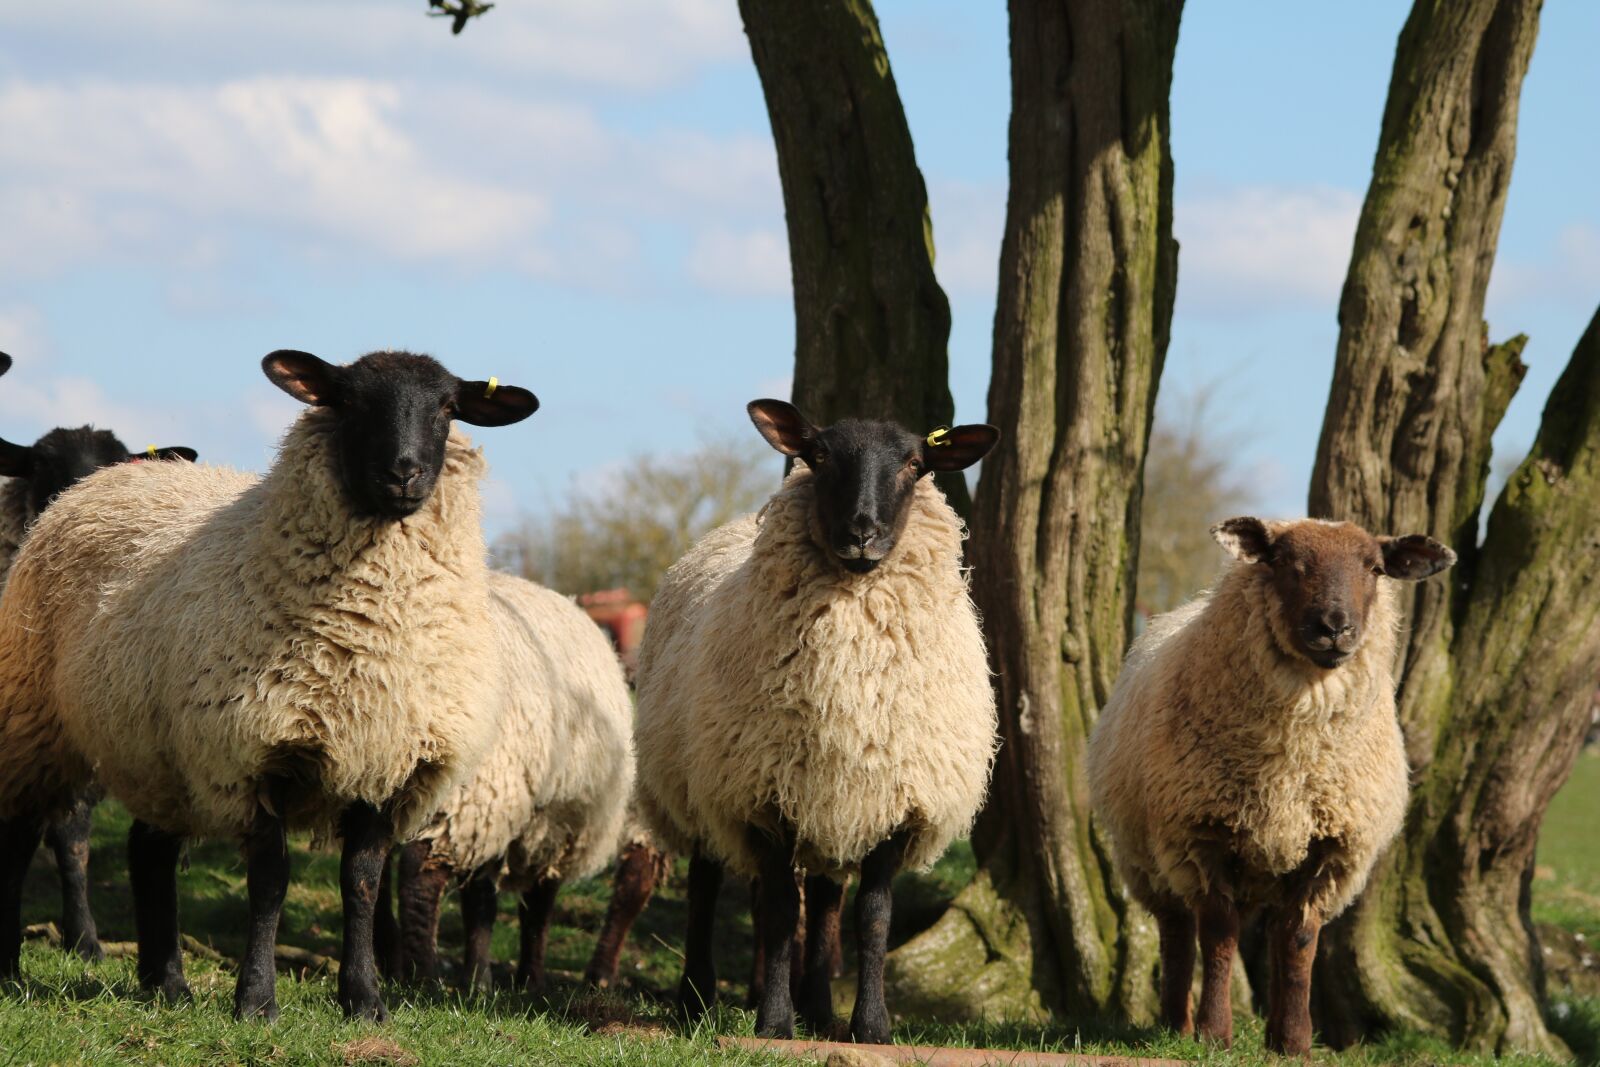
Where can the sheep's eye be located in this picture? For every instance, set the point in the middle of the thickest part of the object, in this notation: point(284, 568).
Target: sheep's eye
point(1377, 568)
point(914, 464)
point(818, 458)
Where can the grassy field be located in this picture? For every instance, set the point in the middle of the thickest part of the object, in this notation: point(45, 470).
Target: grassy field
point(66, 1011)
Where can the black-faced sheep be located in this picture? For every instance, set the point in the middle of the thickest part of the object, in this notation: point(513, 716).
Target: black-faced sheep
point(234, 655)
point(546, 804)
point(31, 476)
point(814, 692)
point(1249, 756)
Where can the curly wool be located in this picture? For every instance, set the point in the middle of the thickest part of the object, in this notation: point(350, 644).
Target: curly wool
point(551, 795)
point(1221, 755)
point(187, 631)
point(773, 686)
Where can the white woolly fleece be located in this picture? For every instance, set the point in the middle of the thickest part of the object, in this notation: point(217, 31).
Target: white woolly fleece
point(1222, 754)
point(186, 630)
point(774, 685)
point(550, 797)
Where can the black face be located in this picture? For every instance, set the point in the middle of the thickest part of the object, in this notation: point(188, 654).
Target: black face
point(394, 411)
point(55, 462)
point(866, 473)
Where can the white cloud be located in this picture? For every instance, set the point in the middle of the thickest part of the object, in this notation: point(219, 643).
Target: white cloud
point(741, 263)
point(1256, 247)
point(23, 335)
point(1568, 272)
point(353, 169)
point(968, 223)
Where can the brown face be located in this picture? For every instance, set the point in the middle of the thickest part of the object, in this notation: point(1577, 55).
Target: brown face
point(1325, 576)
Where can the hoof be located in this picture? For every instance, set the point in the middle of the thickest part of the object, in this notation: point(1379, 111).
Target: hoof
point(90, 951)
point(870, 1031)
point(265, 1011)
point(366, 1010)
point(782, 1029)
point(691, 1006)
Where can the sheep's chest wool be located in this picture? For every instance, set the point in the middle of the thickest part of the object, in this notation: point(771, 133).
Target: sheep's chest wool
point(1220, 752)
point(775, 686)
point(258, 628)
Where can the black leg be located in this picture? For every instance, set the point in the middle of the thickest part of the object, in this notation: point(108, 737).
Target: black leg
point(698, 990)
point(385, 930)
point(479, 902)
point(19, 839)
point(366, 834)
point(68, 837)
point(153, 877)
point(870, 1023)
point(533, 916)
point(266, 853)
point(780, 914)
point(758, 954)
point(631, 889)
point(823, 897)
point(422, 881)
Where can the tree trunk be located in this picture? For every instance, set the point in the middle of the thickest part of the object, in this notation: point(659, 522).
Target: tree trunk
point(1087, 276)
point(1498, 662)
point(872, 324)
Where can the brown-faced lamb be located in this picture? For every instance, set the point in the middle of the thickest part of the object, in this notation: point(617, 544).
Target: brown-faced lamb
point(546, 804)
point(235, 655)
point(1249, 756)
point(813, 692)
point(31, 476)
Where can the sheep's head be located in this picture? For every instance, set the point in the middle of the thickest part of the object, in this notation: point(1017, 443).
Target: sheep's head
point(1325, 576)
point(53, 463)
point(865, 473)
point(392, 417)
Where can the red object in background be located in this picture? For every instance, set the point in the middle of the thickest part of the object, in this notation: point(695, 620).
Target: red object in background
point(622, 618)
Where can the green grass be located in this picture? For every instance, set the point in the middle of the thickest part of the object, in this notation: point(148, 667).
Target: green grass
point(66, 1011)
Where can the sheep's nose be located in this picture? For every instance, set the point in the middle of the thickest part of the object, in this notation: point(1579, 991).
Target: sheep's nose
point(863, 530)
point(1335, 623)
point(404, 472)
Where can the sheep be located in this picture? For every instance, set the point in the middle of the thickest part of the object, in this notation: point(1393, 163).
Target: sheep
point(235, 655)
point(813, 691)
point(1249, 756)
point(31, 476)
point(548, 802)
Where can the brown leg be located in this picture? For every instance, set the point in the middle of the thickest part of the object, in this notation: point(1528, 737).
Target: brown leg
point(480, 901)
point(1219, 938)
point(815, 994)
point(831, 923)
point(420, 886)
point(631, 889)
point(1292, 945)
point(1178, 933)
point(533, 916)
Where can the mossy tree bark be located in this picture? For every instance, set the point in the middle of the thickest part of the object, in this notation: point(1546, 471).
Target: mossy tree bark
point(1498, 662)
point(1088, 273)
point(872, 325)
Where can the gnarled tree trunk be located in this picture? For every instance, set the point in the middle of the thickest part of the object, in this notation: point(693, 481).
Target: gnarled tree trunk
point(872, 324)
point(1087, 276)
point(1497, 663)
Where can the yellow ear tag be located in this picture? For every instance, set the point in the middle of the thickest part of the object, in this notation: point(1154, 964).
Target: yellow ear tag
point(936, 439)
point(151, 449)
point(494, 383)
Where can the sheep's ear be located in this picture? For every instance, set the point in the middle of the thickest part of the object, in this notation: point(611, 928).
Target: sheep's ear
point(5, 362)
point(303, 376)
point(16, 461)
point(784, 428)
point(1246, 539)
point(171, 452)
point(492, 404)
point(955, 448)
point(1414, 557)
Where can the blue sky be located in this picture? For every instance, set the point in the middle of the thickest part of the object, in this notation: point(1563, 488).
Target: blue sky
point(582, 198)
